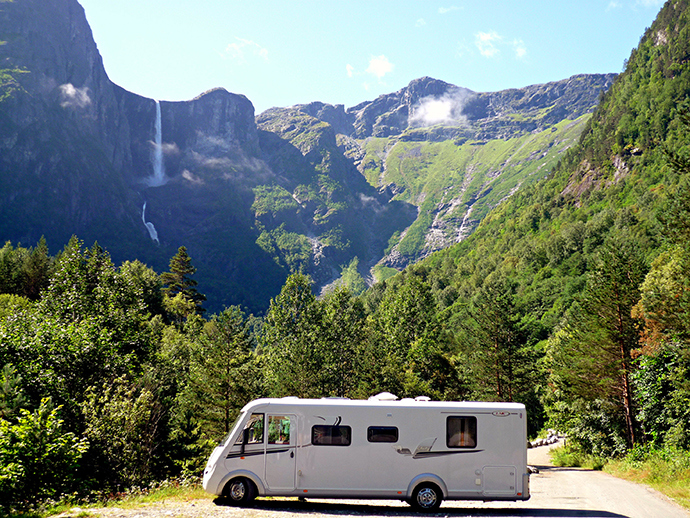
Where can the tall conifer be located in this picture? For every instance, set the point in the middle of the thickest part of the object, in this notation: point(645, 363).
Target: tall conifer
point(179, 279)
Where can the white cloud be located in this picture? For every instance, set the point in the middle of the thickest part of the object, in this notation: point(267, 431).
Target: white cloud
point(420, 23)
point(491, 44)
point(463, 48)
point(520, 49)
point(350, 70)
point(445, 109)
point(379, 66)
point(71, 97)
point(242, 48)
point(446, 10)
point(614, 4)
point(487, 43)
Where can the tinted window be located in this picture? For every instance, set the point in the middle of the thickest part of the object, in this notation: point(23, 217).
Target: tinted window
point(382, 434)
point(461, 432)
point(331, 435)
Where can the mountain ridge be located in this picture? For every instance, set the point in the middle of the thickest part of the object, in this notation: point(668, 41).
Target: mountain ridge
point(252, 197)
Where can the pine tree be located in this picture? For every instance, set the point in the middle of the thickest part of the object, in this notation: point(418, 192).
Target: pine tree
point(591, 355)
point(498, 338)
point(178, 279)
point(223, 375)
point(37, 269)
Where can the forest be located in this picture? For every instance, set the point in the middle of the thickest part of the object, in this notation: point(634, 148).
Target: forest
point(572, 297)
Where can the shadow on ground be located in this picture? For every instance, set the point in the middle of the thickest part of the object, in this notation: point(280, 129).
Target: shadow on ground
point(360, 509)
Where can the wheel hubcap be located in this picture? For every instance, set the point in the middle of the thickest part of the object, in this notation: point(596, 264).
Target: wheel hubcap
point(237, 491)
point(426, 497)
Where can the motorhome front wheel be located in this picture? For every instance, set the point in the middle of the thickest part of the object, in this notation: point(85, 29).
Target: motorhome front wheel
point(239, 491)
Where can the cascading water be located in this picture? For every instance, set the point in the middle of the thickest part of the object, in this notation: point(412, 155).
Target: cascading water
point(149, 226)
point(158, 178)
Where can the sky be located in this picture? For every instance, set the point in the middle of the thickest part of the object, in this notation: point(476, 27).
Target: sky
point(286, 52)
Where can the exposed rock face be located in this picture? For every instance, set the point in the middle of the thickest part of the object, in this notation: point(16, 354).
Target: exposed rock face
point(541, 105)
point(203, 135)
point(335, 115)
point(76, 149)
point(390, 114)
point(63, 135)
point(59, 72)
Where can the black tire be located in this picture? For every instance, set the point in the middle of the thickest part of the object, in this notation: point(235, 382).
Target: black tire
point(239, 491)
point(426, 497)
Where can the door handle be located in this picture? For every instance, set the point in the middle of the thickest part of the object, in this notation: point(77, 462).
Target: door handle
point(292, 454)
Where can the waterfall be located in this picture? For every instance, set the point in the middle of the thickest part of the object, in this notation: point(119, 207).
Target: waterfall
point(158, 178)
point(149, 226)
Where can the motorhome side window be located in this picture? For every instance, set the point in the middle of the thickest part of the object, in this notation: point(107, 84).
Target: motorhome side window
point(382, 434)
point(278, 429)
point(253, 430)
point(325, 435)
point(461, 432)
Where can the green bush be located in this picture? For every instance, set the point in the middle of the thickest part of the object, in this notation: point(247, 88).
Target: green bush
point(38, 460)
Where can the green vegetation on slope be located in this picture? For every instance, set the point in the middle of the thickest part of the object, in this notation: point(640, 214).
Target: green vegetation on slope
point(594, 260)
point(446, 179)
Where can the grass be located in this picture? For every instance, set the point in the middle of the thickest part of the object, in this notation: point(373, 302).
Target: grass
point(181, 491)
point(666, 470)
point(570, 456)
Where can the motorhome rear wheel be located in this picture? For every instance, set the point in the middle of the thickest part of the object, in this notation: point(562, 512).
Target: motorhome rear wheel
point(426, 497)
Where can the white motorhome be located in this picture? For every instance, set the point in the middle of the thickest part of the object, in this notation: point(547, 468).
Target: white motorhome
point(419, 451)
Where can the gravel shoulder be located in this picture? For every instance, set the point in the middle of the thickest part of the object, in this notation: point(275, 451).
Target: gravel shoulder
point(556, 492)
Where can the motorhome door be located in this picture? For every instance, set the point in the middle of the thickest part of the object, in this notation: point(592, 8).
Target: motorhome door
point(281, 451)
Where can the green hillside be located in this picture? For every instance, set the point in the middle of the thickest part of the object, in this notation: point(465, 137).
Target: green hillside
point(455, 183)
point(586, 269)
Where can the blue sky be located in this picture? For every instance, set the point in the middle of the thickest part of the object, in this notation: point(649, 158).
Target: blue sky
point(280, 52)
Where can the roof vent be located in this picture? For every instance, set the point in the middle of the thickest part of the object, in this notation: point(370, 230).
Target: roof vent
point(384, 396)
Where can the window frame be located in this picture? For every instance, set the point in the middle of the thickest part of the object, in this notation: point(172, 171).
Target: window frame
point(251, 422)
point(471, 431)
point(274, 434)
point(330, 428)
point(374, 431)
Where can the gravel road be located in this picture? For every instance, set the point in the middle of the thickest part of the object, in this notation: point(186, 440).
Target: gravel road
point(556, 492)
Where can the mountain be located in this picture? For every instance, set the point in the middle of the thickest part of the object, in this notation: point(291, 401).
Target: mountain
point(307, 188)
point(455, 154)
